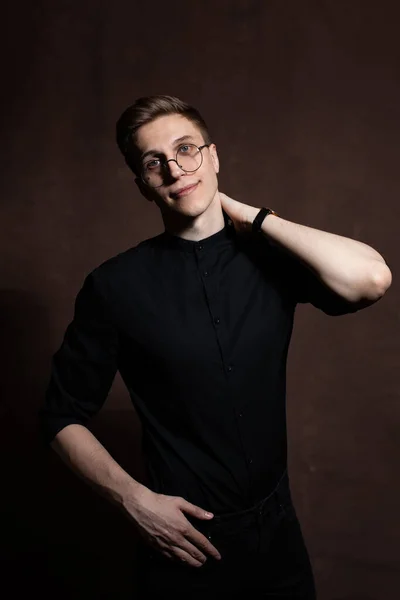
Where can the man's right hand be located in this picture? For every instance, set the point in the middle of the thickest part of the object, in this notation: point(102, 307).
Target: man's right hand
point(161, 522)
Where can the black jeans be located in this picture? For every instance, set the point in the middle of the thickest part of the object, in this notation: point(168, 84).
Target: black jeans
point(263, 556)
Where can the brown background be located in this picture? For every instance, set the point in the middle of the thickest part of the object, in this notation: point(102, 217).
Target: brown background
point(303, 100)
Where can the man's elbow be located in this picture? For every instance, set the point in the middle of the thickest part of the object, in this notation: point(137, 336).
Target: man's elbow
point(379, 281)
point(373, 287)
point(363, 294)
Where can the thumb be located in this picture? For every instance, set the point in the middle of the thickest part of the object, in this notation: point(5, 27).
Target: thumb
point(194, 510)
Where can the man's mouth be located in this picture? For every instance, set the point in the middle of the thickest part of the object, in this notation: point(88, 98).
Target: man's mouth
point(185, 191)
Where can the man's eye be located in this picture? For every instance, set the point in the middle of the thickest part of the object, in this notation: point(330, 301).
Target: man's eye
point(184, 149)
point(152, 164)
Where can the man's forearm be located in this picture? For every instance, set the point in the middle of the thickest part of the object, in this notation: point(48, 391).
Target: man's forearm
point(352, 269)
point(87, 458)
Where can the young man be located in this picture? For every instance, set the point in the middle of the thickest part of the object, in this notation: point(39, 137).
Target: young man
point(198, 321)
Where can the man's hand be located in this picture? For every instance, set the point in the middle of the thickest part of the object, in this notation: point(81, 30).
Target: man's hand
point(161, 522)
point(241, 215)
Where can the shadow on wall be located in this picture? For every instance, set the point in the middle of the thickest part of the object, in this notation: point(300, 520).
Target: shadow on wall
point(59, 538)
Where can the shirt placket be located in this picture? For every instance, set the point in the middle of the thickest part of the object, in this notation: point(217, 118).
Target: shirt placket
point(209, 279)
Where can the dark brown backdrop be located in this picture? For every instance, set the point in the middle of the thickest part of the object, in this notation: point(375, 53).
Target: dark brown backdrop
point(303, 101)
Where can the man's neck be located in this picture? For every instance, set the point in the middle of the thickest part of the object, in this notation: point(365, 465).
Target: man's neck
point(198, 228)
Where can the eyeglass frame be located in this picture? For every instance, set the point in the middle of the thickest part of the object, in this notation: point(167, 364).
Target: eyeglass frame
point(164, 163)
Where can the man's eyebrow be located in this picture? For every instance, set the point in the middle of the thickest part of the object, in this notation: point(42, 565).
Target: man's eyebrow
point(183, 138)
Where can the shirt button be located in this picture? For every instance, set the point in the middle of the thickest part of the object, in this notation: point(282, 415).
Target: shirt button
point(205, 273)
point(240, 414)
point(250, 461)
point(229, 368)
point(217, 321)
point(200, 247)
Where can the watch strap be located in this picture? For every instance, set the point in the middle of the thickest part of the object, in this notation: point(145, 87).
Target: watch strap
point(264, 212)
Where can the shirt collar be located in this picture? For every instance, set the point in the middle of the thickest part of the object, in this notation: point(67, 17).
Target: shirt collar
point(227, 234)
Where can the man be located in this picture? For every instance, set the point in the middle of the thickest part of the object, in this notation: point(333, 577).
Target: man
point(198, 321)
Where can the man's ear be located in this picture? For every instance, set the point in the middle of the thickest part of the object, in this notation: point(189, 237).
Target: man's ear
point(214, 157)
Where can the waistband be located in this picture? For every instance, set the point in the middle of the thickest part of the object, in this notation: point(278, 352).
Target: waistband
point(279, 497)
point(280, 494)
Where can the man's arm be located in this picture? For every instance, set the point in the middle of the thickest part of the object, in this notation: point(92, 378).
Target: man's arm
point(159, 519)
point(82, 372)
point(353, 270)
point(82, 452)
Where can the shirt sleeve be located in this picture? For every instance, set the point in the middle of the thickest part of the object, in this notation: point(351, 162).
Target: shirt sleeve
point(84, 367)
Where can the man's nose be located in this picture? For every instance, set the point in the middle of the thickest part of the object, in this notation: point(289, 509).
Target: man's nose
point(173, 168)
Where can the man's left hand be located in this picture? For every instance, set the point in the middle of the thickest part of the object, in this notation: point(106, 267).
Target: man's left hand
point(241, 215)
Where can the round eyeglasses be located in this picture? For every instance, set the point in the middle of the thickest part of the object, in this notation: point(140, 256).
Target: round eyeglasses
point(189, 158)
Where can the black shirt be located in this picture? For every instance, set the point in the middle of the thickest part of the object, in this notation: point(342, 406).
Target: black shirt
point(199, 332)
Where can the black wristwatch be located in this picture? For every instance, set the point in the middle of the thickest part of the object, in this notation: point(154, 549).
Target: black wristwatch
point(264, 212)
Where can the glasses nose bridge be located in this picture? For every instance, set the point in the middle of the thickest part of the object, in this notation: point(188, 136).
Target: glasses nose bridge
point(166, 164)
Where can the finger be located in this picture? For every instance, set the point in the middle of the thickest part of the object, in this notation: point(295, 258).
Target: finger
point(186, 557)
point(200, 541)
point(192, 550)
point(178, 555)
point(194, 510)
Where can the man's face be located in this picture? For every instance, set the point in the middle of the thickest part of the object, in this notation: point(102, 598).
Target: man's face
point(160, 137)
